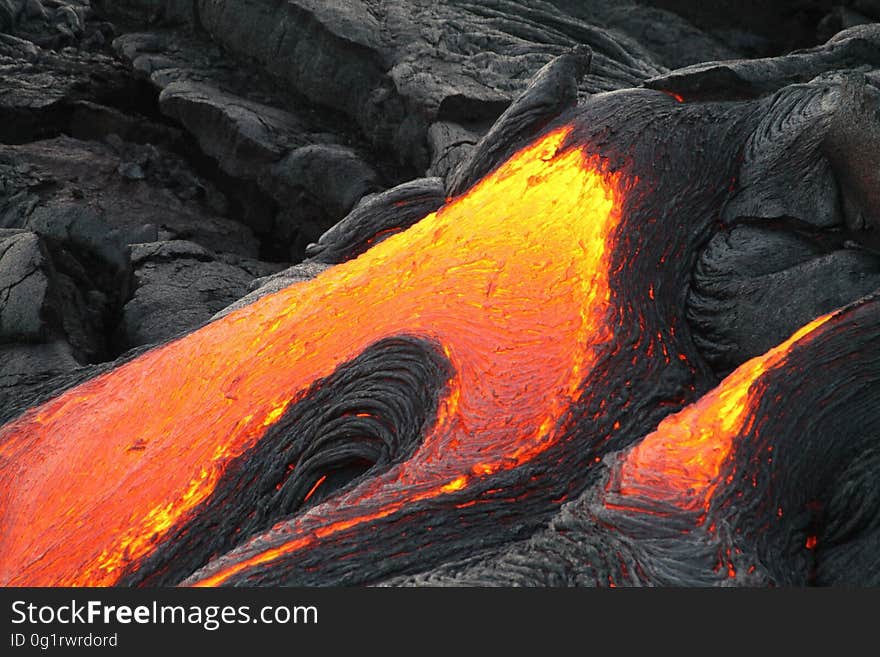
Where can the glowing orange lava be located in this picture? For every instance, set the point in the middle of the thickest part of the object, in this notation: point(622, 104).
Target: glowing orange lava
point(512, 279)
point(681, 462)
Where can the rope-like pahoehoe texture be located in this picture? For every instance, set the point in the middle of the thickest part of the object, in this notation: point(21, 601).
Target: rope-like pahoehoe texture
point(649, 369)
point(556, 290)
point(376, 218)
point(795, 500)
point(646, 368)
point(369, 414)
point(750, 78)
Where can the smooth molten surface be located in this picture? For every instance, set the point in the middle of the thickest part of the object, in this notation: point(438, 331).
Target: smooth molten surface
point(512, 279)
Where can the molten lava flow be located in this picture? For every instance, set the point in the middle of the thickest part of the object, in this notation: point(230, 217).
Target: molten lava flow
point(512, 279)
point(681, 462)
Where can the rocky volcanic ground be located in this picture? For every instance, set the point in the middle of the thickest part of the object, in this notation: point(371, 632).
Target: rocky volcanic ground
point(163, 162)
point(159, 160)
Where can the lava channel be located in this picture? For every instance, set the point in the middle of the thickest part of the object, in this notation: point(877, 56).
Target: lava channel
point(511, 279)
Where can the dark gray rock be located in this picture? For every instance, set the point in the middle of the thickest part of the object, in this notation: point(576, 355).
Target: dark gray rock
point(397, 68)
point(316, 186)
point(24, 287)
point(852, 146)
point(256, 134)
point(83, 228)
point(35, 80)
point(90, 121)
point(25, 369)
point(243, 136)
point(450, 144)
point(664, 34)
point(7, 16)
point(336, 175)
point(179, 286)
point(131, 171)
point(56, 24)
point(168, 251)
point(806, 185)
point(12, 48)
point(34, 9)
point(857, 48)
point(838, 19)
point(376, 217)
point(65, 177)
point(71, 18)
point(47, 295)
point(753, 287)
point(816, 157)
point(784, 173)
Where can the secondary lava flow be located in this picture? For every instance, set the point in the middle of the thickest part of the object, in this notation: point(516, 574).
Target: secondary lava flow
point(682, 463)
point(511, 278)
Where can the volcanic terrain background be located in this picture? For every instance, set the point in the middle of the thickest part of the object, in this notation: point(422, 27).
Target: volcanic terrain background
point(453, 292)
